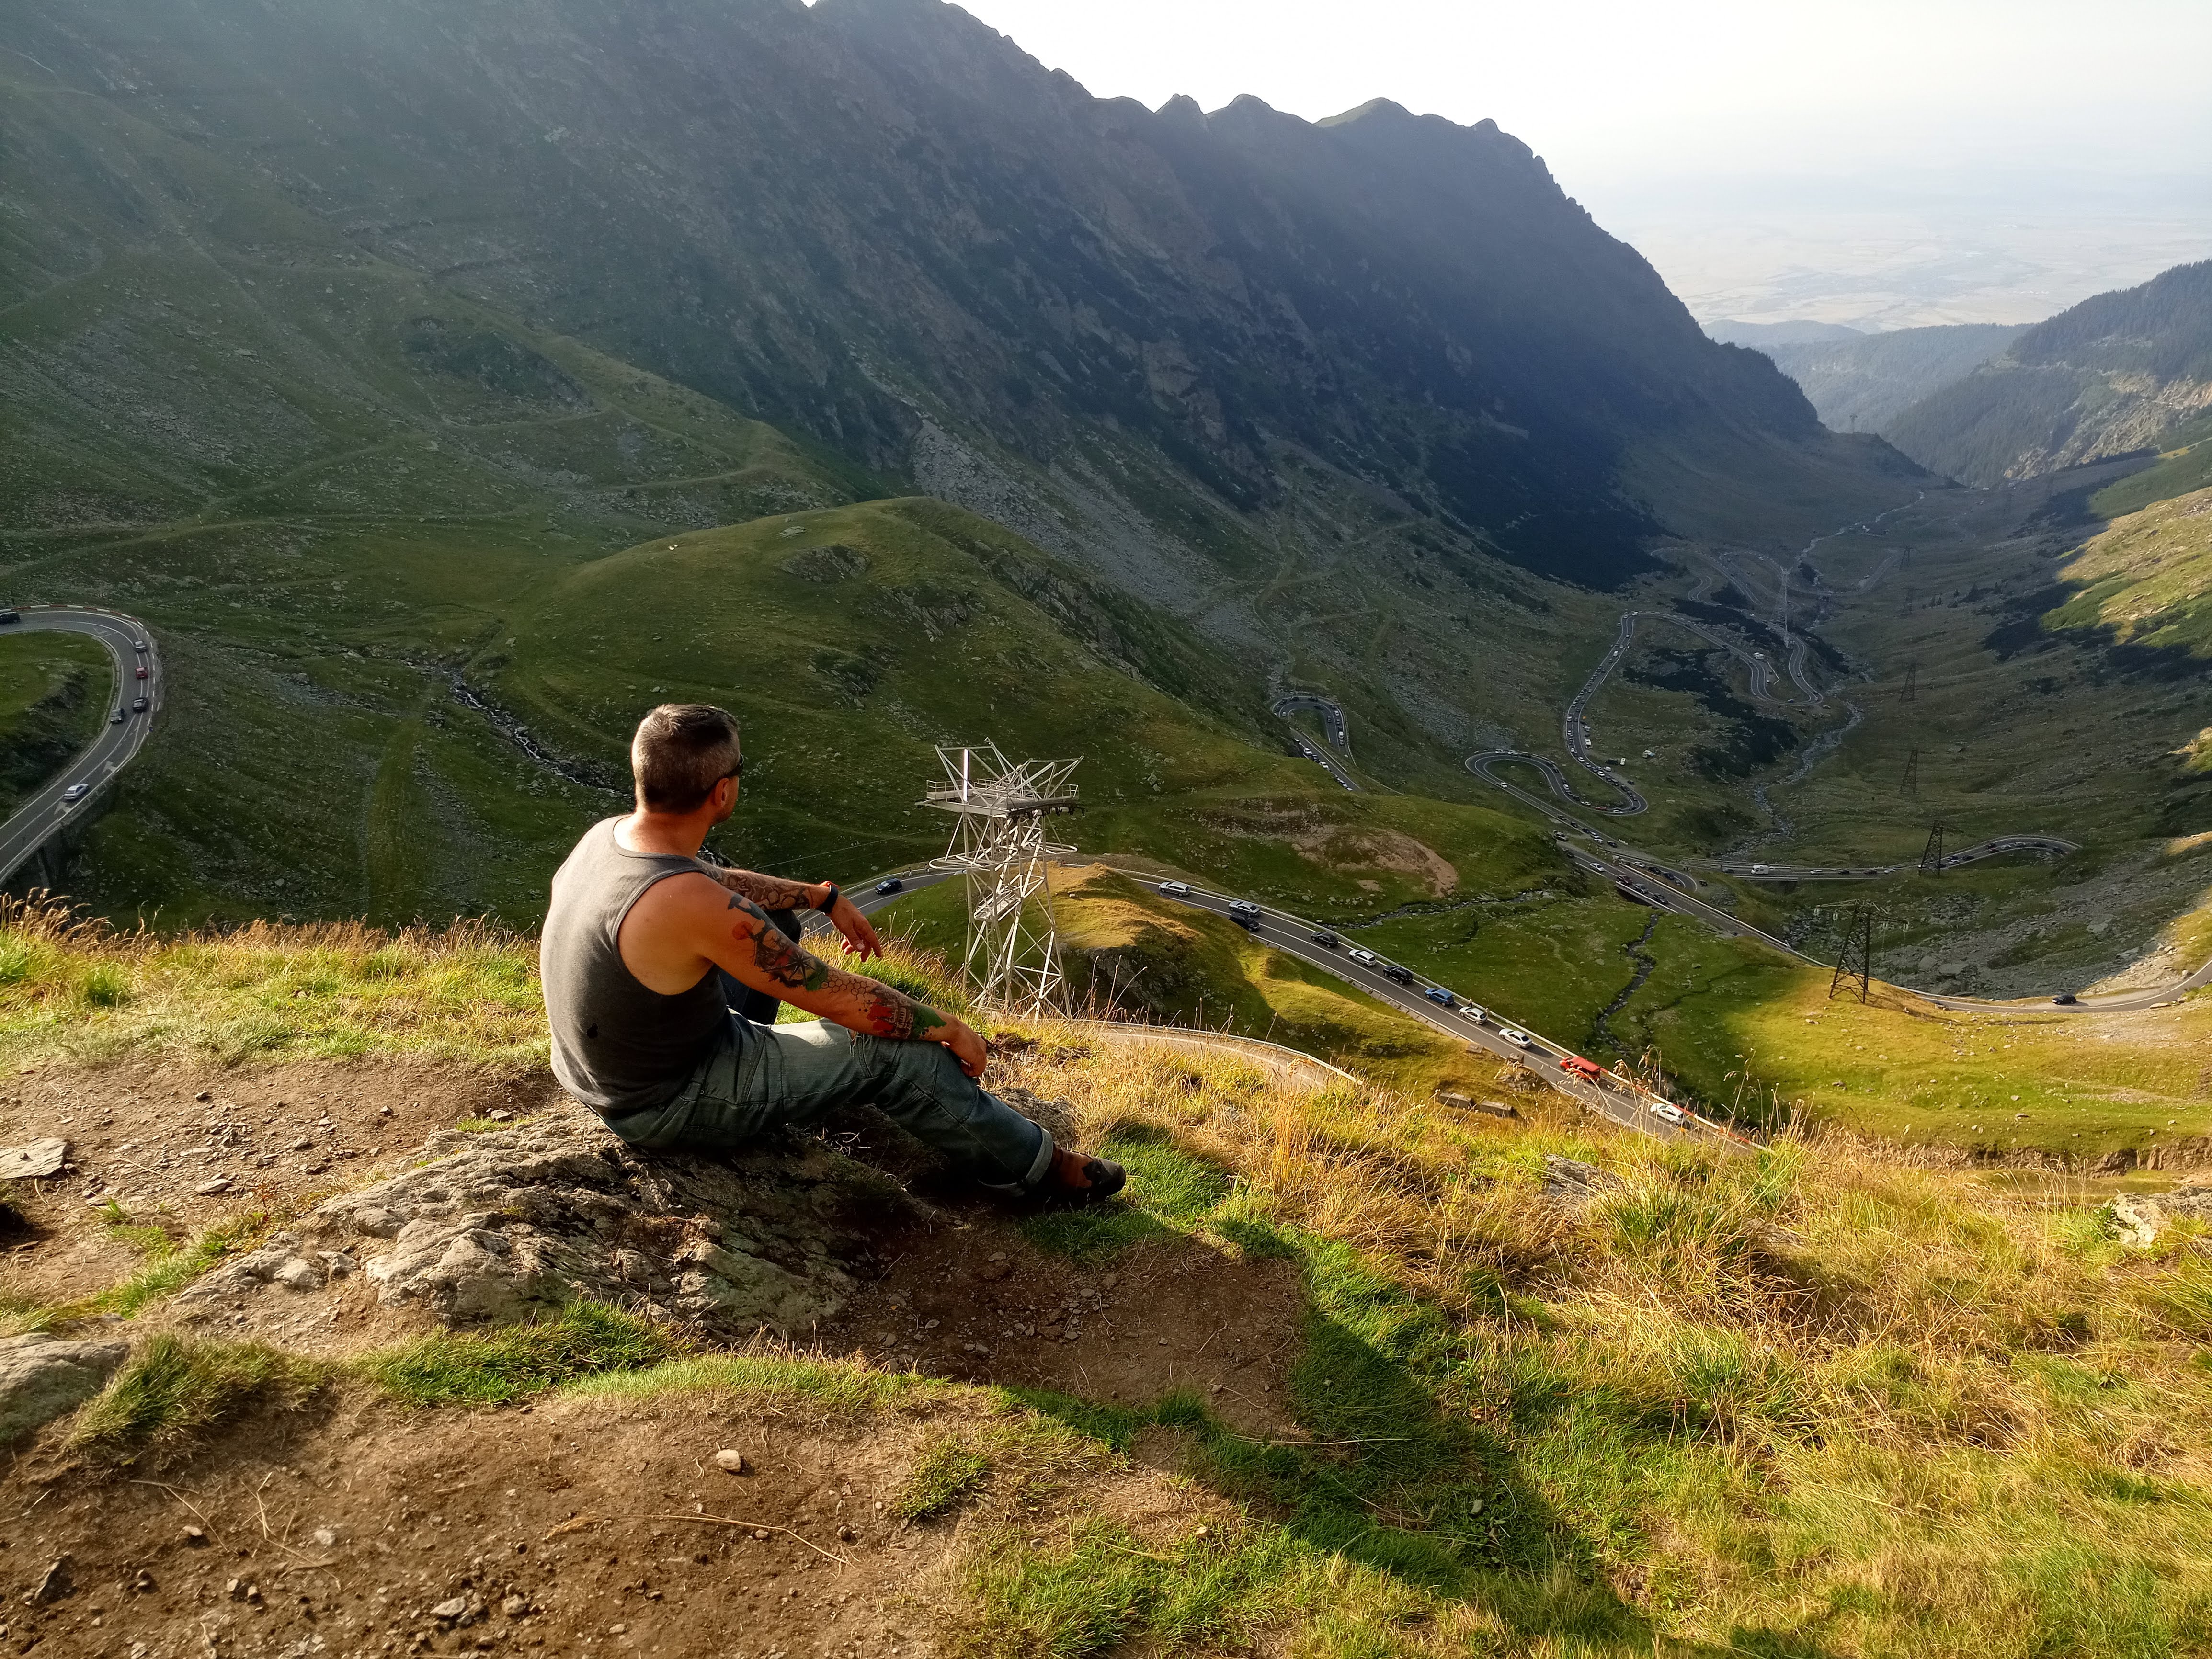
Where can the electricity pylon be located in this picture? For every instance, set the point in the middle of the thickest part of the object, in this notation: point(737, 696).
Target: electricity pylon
point(1931, 856)
point(1912, 784)
point(1856, 960)
point(1912, 679)
point(999, 808)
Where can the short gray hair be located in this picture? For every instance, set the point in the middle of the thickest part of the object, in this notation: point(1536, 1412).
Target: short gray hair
point(680, 752)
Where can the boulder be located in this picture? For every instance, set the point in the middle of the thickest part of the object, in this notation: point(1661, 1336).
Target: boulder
point(34, 1160)
point(495, 1226)
point(43, 1376)
point(2137, 1217)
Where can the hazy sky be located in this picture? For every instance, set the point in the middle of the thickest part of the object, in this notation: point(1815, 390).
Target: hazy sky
point(1670, 119)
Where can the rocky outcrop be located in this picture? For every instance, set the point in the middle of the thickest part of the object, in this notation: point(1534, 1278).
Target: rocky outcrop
point(1570, 1182)
point(43, 1376)
point(2139, 1218)
point(498, 1225)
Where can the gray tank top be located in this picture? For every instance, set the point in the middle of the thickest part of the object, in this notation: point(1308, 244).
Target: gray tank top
point(618, 1045)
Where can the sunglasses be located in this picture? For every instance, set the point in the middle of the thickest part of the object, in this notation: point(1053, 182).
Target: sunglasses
point(737, 771)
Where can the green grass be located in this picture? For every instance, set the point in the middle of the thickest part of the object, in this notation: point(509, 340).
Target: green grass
point(54, 698)
point(173, 1392)
point(942, 1479)
point(464, 1368)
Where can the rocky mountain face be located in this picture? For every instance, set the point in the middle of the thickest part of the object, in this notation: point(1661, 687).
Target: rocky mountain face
point(2112, 374)
point(882, 227)
point(1865, 382)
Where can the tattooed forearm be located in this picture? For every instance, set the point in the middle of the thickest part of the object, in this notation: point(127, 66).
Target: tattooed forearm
point(894, 1014)
point(769, 892)
point(789, 967)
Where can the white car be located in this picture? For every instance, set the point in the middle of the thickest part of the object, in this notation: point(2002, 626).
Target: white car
point(1473, 1011)
point(1367, 957)
point(1660, 1109)
point(1175, 889)
point(76, 792)
point(1761, 869)
point(1518, 1038)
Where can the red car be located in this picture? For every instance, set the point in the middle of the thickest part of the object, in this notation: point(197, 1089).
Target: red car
point(1582, 1068)
point(141, 670)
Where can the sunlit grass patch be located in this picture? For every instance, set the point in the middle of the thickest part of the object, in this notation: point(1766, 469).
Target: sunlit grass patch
point(468, 1368)
point(173, 1392)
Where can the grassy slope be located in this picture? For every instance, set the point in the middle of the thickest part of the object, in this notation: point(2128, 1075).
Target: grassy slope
point(2184, 465)
point(53, 697)
point(2147, 580)
point(1794, 1404)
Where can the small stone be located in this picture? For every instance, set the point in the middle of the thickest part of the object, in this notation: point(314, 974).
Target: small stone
point(384, 1111)
point(502, 1115)
point(515, 1606)
point(253, 1593)
point(452, 1609)
point(203, 1094)
point(143, 1583)
point(195, 1538)
point(34, 1160)
point(732, 1463)
point(846, 1535)
point(235, 1590)
point(298, 1274)
point(325, 1537)
point(616, 1629)
point(208, 1188)
point(53, 1584)
point(302, 1144)
point(760, 1536)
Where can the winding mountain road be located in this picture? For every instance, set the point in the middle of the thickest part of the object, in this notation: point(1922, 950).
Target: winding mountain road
point(118, 741)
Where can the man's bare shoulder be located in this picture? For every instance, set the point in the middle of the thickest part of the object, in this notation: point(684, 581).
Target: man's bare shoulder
point(689, 897)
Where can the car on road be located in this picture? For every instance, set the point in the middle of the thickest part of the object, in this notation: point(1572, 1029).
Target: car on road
point(1473, 1011)
point(1323, 937)
point(118, 718)
point(139, 705)
point(1437, 994)
point(2064, 1000)
point(1365, 957)
point(890, 884)
point(1761, 869)
point(1242, 907)
point(141, 670)
point(1517, 1037)
point(1175, 889)
point(1392, 971)
point(1665, 1112)
point(11, 615)
point(76, 792)
point(1589, 1069)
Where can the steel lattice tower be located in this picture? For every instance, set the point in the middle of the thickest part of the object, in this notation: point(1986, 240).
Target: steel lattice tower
point(999, 808)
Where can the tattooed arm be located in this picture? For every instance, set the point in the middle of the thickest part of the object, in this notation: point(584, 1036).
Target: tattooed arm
point(774, 893)
point(754, 950)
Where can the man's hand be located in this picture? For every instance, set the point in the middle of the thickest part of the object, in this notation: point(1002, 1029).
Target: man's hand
point(859, 932)
point(966, 1047)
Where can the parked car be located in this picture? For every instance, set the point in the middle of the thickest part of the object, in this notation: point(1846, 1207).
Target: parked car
point(1662, 1110)
point(1473, 1011)
point(1437, 994)
point(76, 792)
point(890, 884)
point(1392, 971)
point(10, 615)
point(1518, 1038)
point(2064, 998)
point(1323, 937)
point(139, 705)
point(1175, 889)
point(1366, 958)
point(1588, 1069)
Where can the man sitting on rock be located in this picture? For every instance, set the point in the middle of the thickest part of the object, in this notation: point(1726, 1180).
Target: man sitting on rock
point(643, 1029)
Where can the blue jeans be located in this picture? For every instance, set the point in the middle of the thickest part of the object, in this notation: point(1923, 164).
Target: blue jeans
point(758, 1077)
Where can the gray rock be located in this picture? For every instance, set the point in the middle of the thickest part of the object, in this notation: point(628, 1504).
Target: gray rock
point(507, 1224)
point(43, 1376)
point(1568, 1182)
point(2137, 1217)
point(34, 1160)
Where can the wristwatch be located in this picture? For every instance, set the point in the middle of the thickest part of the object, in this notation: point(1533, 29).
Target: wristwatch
point(829, 901)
